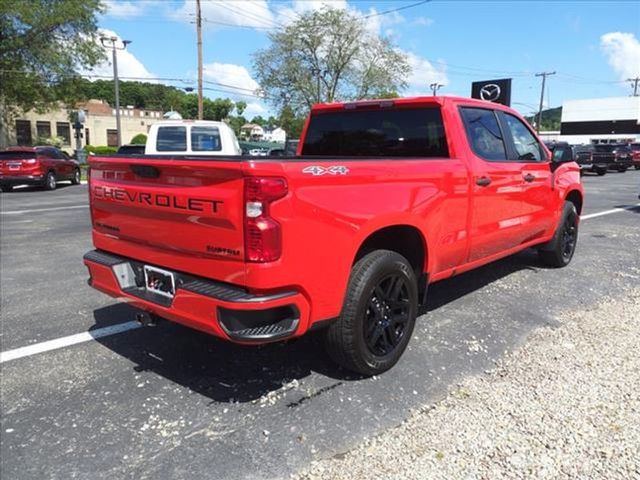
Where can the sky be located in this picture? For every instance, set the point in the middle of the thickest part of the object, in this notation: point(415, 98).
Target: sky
point(593, 46)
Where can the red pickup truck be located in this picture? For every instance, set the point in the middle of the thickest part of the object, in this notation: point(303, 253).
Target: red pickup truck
point(383, 198)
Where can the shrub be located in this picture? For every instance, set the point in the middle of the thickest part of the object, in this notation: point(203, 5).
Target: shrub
point(139, 139)
point(100, 149)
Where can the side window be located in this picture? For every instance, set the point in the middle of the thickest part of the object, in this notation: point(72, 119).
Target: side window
point(205, 139)
point(483, 133)
point(527, 147)
point(172, 139)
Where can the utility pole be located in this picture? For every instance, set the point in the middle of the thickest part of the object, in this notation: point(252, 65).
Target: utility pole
point(112, 42)
point(435, 87)
point(634, 82)
point(544, 78)
point(199, 29)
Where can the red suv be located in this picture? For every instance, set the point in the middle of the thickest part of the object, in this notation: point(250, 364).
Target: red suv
point(43, 166)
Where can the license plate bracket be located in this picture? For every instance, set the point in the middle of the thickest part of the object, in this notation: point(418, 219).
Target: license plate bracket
point(159, 281)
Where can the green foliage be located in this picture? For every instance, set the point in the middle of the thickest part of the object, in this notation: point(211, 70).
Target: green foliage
point(236, 123)
point(217, 109)
point(328, 55)
point(53, 141)
point(258, 120)
point(139, 139)
point(100, 149)
point(42, 43)
point(290, 122)
point(551, 119)
point(241, 106)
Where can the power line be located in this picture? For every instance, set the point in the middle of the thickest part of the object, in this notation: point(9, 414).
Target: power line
point(378, 14)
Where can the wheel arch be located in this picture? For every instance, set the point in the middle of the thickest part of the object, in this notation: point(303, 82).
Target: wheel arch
point(575, 197)
point(404, 239)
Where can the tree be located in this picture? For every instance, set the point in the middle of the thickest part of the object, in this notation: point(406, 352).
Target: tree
point(217, 109)
point(290, 122)
point(42, 44)
point(258, 120)
point(241, 106)
point(328, 55)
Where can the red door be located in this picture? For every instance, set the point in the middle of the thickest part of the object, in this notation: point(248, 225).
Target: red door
point(537, 181)
point(498, 187)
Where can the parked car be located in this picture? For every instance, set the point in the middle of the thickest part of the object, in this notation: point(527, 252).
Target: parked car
point(635, 155)
point(387, 197)
point(43, 166)
point(617, 156)
point(192, 138)
point(277, 152)
point(131, 149)
point(584, 156)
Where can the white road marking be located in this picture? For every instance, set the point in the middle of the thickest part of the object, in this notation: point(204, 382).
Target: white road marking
point(608, 212)
point(35, 210)
point(66, 341)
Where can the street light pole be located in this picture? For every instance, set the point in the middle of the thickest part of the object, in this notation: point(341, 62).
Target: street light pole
point(116, 83)
point(435, 87)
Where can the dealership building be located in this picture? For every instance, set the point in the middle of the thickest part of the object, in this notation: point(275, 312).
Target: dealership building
point(599, 120)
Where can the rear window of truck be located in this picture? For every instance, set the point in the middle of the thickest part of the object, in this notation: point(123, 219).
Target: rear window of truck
point(172, 139)
point(400, 132)
point(205, 139)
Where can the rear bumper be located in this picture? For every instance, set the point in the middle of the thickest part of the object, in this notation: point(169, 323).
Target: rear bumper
point(21, 180)
point(226, 311)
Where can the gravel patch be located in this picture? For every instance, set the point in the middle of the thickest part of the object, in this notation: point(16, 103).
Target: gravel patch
point(566, 404)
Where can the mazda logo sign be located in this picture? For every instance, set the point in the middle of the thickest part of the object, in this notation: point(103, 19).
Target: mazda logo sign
point(490, 92)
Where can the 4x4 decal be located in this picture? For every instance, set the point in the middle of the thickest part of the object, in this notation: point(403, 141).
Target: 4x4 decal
point(319, 170)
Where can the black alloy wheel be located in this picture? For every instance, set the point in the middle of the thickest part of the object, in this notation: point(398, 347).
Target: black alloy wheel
point(569, 238)
point(387, 315)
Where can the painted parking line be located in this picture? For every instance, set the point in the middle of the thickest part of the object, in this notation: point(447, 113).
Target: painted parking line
point(36, 210)
point(66, 341)
point(609, 212)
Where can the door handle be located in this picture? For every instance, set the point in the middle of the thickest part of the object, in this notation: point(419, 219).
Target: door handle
point(483, 181)
point(529, 178)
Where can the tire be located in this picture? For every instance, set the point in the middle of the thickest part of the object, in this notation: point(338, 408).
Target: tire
point(75, 180)
point(622, 169)
point(637, 167)
point(559, 251)
point(50, 181)
point(6, 188)
point(364, 339)
point(601, 171)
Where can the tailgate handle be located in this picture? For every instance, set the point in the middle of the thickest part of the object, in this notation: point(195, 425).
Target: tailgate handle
point(145, 171)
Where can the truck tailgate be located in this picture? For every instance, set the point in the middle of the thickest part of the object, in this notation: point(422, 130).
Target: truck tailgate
point(181, 214)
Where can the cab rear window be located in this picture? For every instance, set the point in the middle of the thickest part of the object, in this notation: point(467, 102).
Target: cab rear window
point(400, 132)
point(205, 139)
point(172, 139)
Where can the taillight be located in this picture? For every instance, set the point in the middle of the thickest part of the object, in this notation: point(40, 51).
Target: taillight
point(262, 234)
point(31, 161)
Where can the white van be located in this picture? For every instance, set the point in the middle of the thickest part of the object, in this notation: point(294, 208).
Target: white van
point(191, 137)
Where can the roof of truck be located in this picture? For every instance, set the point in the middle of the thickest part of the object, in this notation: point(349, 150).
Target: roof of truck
point(388, 102)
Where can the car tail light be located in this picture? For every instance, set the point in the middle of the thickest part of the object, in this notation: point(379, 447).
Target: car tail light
point(31, 161)
point(262, 233)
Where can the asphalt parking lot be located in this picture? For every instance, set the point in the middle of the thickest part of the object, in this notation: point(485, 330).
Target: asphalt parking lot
point(168, 402)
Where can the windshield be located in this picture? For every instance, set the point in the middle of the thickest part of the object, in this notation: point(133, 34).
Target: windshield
point(400, 132)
